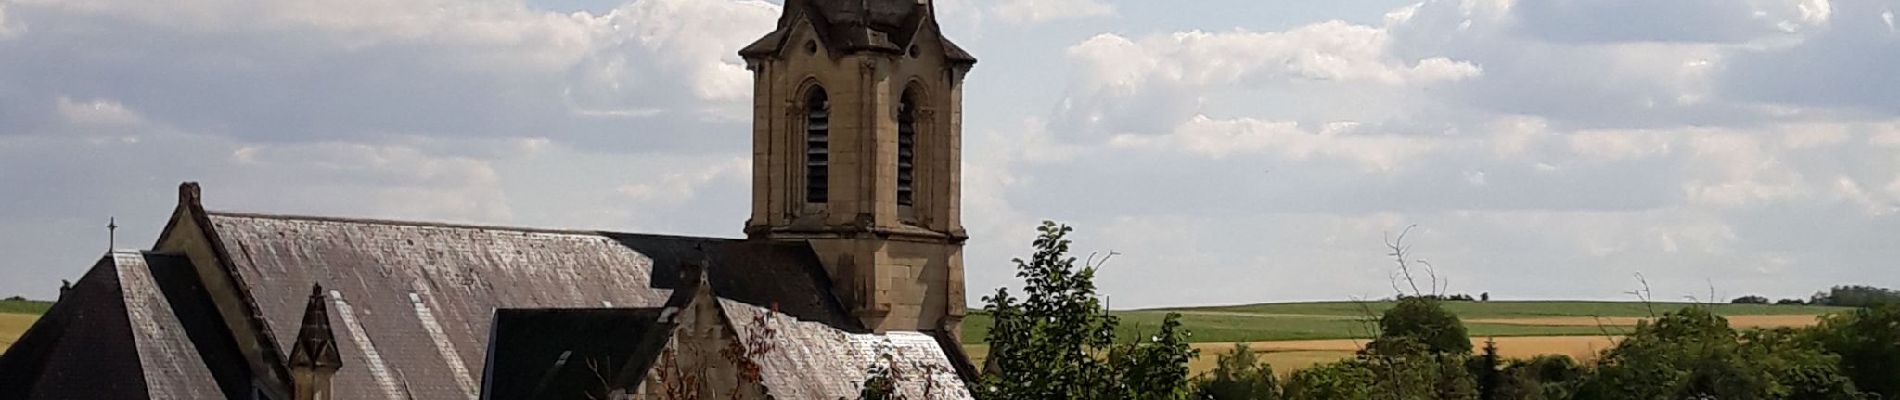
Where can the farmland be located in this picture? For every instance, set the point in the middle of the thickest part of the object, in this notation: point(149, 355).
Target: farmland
point(1291, 336)
point(16, 316)
point(1349, 320)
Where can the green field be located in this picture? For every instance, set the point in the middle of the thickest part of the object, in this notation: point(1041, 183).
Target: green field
point(1349, 320)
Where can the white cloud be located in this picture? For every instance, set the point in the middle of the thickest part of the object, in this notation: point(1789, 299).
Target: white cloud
point(352, 69)
point(1328, 51)
point(676, 187)
point(6, 30)
point(1038, 11)
point(97, 112)
point(1218, 139)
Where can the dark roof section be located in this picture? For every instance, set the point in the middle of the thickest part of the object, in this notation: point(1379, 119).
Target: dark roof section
point(414, 302)
point(859, 25)
point(564, 354)
point(137, 316)
point(315, 347)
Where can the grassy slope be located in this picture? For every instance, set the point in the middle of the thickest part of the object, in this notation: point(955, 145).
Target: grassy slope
point(1344, 320)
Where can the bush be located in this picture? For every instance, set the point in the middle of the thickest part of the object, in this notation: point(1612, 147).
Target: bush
point(1238, 375)
point(1542, 377)
point(1345, 380)
point(16, 298)
point(1425, 321)
point(1750, 300)
point(1790, 302)
point(1692, 353)
point(1868, 343)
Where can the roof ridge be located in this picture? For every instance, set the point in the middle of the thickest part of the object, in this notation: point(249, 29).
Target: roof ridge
point(450, 225)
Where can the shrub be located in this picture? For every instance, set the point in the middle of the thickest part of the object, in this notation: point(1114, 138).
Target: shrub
point(1750, 300)
point(1238, 375)
point(1345, 380)
point(1692, 353)
point(1425, 321)
point(1868, 343)
point(1787, 302)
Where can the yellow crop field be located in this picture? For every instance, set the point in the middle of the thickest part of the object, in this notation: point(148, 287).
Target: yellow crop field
point(11, 326)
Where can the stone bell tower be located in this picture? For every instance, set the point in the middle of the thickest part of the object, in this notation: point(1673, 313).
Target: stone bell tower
point(857, 141)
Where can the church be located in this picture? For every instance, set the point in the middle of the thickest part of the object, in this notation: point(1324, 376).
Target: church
point(850, 268)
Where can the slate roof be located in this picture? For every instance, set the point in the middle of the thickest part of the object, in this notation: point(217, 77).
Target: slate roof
point(855, 25)
point(811, 360)
point(132, 315)
point(414, 302)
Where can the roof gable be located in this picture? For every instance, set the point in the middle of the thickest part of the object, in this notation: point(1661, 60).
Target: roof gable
point(133, 315)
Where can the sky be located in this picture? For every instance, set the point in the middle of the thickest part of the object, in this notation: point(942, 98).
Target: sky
point(1227, 151)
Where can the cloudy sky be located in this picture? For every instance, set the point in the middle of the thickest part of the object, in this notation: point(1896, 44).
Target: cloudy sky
point(1229, 150)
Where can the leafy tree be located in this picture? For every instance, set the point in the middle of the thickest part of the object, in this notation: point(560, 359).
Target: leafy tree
point(1058, 341)
point(1692, 353)
point(1868, 342)
point(1345, 380)
point(1542, 377)
point(1238, 375)
point(1426, 321)
point(1156, 368)
point(1750, 299)
point(1790, 302)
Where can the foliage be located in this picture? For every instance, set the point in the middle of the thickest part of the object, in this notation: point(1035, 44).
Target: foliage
point(15, 298)
point(1750, 299)
point(1052, 343)
point(1156, 368)
point(1856, 296)
point(1542, 377)
point(1238, 375)
point(1788, 302)
point(1692, 353)
point(1425, 321)
point(1345, 380)
point(1868, 342)
point(880, 380)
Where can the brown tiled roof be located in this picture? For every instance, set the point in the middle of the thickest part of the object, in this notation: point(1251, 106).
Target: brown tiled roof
point(413, 302)
point(135, 326)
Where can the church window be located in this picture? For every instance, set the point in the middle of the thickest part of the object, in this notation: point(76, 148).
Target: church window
point(906, 149)
point(817, 146)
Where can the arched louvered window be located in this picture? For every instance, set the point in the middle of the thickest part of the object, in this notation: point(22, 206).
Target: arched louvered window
point(817, 146)
point(906, 148)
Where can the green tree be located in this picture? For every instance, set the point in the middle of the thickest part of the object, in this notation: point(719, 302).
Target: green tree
point(1344, 380)
point(1238, 375)
point(1868, 342)
point(1426, 321)
point(1156, 368)
point(1693, 353)
point(1057, 342)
